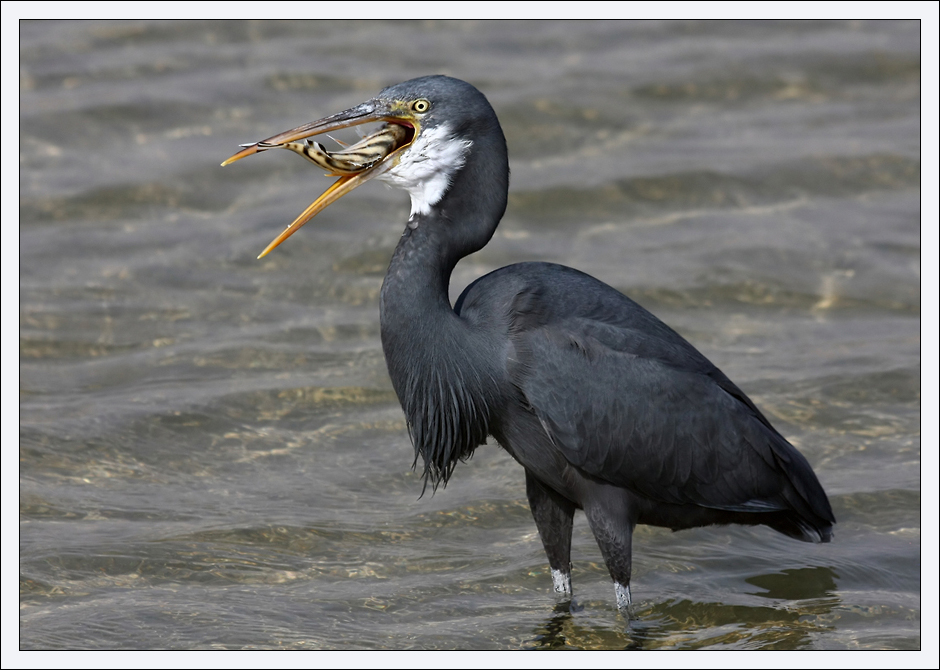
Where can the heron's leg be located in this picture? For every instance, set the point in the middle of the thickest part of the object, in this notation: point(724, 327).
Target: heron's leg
point(612, 526)
point(553, 517)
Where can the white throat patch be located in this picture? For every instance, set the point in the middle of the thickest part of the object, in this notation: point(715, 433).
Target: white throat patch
point(426, 168)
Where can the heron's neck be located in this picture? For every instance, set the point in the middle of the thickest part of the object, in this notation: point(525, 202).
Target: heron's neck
point(418, 277)
point(434, 356)
point(461, 221)
point(438, 361)
point(420, 331)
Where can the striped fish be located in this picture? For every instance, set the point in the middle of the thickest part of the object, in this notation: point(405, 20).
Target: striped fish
point(360, 156)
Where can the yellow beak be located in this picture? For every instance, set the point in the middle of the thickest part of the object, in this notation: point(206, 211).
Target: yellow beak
point(367, 112)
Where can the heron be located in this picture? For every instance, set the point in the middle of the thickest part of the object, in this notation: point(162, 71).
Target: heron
point(607, 409)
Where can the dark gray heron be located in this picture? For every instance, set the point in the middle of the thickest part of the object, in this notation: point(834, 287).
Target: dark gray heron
point(607, 409)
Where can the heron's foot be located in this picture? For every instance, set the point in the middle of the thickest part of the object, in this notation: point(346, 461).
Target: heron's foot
point(624, 599)
point(561, 581)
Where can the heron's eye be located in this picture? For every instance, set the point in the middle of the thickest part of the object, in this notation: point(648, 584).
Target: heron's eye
point(421, 106)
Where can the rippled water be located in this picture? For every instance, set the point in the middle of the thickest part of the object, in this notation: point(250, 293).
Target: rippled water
point(211, 453)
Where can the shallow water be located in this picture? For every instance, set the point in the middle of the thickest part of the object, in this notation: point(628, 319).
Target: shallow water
point(211, 452)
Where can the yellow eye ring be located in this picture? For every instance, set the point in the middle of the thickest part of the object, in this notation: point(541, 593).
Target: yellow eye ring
point(421, 106)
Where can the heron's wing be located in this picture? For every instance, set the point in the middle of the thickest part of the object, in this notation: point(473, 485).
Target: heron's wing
point(644, 410)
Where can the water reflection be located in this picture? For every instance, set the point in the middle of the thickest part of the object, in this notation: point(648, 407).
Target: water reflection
point(685, 624)
point(796, 584)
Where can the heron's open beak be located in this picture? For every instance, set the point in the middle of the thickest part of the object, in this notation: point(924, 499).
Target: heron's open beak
point(367, 112)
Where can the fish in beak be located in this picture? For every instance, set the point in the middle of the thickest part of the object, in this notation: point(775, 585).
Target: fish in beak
point(355, 165)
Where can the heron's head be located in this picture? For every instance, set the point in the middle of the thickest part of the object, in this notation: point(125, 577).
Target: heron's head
point(442, 118)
